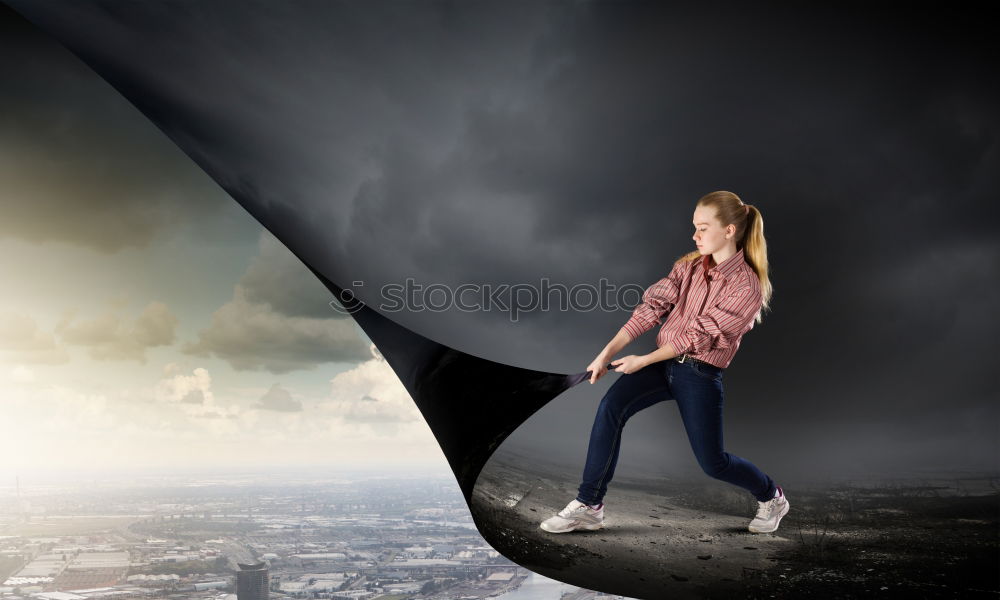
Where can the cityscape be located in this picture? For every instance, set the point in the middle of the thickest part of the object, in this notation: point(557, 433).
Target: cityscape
point(251, 536)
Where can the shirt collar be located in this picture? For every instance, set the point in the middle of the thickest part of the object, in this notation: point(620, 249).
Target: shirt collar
point(726, 268)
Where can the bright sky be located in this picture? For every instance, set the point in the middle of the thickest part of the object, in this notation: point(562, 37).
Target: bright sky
point(147, 320)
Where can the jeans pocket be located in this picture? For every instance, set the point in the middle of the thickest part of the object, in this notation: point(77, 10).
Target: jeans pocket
point(706, 371)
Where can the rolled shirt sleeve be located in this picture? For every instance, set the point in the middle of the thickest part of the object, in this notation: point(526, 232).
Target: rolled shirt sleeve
point(657, 300)
point(722, 324)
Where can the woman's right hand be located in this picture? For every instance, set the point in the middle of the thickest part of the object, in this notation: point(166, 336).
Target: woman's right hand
point(598, 368)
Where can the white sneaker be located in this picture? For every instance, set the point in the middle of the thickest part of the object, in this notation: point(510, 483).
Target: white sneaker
point(576, 515)
point(769, 513)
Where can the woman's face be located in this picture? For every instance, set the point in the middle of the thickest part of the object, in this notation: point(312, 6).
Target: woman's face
point(709, 234)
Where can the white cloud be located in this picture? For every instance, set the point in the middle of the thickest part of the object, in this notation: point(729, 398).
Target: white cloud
point(366, 419)
point(113, 337)
point(22, 374)
point(23, 341)
point(252, 336)
point(171, 368)
point(369, 399)
point(193, 396)
point(279, 399)
point(177, 387)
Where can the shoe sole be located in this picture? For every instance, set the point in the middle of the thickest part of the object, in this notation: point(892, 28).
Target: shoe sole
point(775, 528)
point(584, 527)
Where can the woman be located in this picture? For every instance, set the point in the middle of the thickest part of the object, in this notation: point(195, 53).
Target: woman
point(713, 297)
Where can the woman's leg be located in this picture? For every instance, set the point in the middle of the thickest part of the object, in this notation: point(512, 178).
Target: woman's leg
point(699, 395)
point(627, 396)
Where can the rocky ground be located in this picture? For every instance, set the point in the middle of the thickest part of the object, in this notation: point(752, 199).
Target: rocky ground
point(667, 538)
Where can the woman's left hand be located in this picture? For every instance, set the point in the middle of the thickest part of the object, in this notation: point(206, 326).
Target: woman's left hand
point(629, 364)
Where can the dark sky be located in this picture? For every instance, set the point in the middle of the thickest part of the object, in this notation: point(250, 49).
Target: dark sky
point(504, 143)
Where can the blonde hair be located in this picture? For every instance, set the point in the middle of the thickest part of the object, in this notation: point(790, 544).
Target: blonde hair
point(729, 209)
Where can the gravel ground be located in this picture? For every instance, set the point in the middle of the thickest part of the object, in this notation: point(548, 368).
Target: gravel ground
point(689, 539)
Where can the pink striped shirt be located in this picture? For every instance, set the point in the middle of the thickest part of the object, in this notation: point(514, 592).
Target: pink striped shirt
point(715, 307)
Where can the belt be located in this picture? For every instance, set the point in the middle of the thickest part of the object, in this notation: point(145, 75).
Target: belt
point(687, 357)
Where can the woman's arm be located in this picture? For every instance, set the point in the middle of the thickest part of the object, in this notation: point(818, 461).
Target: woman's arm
point(657, 301)
point(599, 365)
point(632, 363)
point(664, 352)
point(621, 339)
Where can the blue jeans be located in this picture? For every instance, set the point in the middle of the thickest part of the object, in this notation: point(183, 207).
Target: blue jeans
point(697, 388)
